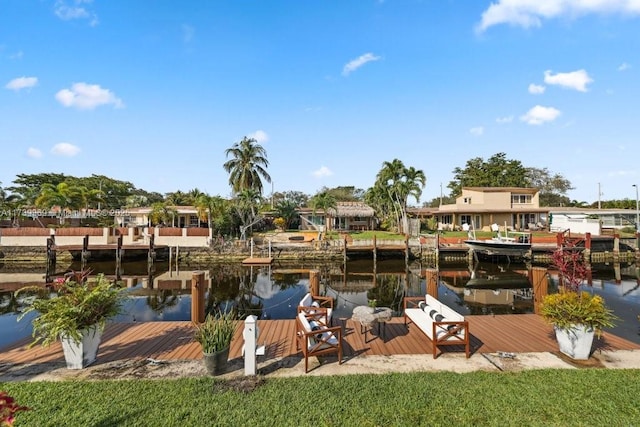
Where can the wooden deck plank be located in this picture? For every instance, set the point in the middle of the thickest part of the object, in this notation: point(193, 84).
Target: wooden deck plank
point(174, 340)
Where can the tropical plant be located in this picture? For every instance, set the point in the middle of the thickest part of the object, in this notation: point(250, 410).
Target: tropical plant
point(8, 409)
point(394, 184)
point(570, 306)
point(247, 166)
point(216, 332)
point(287, 211)
point(326, 202)
point(162, 213)
point(247, 205)
point(78, 305)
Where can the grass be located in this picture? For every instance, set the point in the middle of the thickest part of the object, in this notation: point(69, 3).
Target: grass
point(588, 397)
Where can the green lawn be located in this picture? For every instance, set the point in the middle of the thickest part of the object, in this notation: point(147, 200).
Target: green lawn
point(588, 397)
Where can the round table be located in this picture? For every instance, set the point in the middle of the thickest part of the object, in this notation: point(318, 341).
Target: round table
point(369, 316)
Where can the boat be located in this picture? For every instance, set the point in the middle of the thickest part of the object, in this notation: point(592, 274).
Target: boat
point(510, 243)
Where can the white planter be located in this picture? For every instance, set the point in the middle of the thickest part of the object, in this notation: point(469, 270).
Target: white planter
point(576, 341)
point(81, 354)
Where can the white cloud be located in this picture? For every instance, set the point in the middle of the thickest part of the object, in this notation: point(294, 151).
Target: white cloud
point(624, 66)
point(539, 115)
point(84, 96)
point(34, 153)
point(322, 172)
point(536, 89)
point(531, 13)
point(260, 136)
point(506, 119)
point(476, 131)
point(577, 80)
point(358, 62)
point(75, 9)
point(65, 149)
point(22, 83)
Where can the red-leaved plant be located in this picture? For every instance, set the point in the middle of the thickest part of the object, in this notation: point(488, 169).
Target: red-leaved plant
point(8, 409)
point(571, 267)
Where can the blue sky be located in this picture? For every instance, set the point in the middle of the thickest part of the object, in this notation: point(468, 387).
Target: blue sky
point(155, 92)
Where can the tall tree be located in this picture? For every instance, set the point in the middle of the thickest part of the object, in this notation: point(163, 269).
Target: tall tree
point(553, 187)
point(64, 195)
point(326, 202)
point(246, 205)
point(395, 183)
point(497, 171)
point(247, 166)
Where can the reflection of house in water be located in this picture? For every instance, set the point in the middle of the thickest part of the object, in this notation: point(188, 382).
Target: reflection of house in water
point(490, 288)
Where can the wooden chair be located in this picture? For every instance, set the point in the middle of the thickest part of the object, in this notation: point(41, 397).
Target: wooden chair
point(314, 337)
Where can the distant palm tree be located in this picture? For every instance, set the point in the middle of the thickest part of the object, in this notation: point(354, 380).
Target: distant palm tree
point(64, 195)
point(326, 202)
point(399, 182)
point(162, 213)
point(247, 165)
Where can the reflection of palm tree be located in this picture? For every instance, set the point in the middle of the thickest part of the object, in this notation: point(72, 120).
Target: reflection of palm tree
point(9, 303)
point(162, 300)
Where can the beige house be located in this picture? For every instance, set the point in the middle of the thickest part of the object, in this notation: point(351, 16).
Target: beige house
point(518, 208)
point(348, 216)
point(182, 217)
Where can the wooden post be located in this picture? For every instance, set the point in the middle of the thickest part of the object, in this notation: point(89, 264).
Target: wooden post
point(559, 240)
point(197, 296)
point(51, 257)
point(85, 252)
point(616, 248)
point(314, 282)
point(540, 285)
point(431, 276)
point(587, 248)
point(375, 251)
point(119, 258)
point(345, 250)
point(406, 248)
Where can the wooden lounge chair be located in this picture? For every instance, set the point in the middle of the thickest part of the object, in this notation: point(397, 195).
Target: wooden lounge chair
point(314, 337)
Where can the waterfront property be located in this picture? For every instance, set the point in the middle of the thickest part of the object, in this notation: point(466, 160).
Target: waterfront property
point(174, 341)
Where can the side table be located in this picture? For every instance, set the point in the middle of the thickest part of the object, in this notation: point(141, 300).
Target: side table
point(369, 316)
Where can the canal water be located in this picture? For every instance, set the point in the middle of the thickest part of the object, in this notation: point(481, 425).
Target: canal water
point(273, 291)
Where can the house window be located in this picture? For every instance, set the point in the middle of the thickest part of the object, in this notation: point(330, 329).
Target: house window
point(193, 220)
point(521, 199)
point(466, 200)
point(465, 219)
point(446, 219)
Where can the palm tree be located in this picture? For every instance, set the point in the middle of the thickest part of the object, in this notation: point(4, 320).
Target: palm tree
point(162, 213)
point(64, 195)
point(288, 211)
point(247, 165)
point(325, 201)
point(399, 182)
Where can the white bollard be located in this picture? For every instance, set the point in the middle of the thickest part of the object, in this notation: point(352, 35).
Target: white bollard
point(250, 335)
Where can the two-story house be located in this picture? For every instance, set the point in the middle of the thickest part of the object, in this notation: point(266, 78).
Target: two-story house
point(518, 208)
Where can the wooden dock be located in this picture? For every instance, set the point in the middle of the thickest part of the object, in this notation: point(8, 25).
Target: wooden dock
point(515, 333)
point(257, 261)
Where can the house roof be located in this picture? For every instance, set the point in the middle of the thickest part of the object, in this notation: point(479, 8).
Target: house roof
point(520, 190)
point(352, 209)
point(345, 209)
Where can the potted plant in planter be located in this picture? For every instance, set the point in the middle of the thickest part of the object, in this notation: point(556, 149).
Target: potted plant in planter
point(575, 315)
point(76, 316)
point(215, 335)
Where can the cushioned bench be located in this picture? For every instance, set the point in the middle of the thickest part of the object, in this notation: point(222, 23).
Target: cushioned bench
point(441, 324)
point(318, 301)
point(314, 337)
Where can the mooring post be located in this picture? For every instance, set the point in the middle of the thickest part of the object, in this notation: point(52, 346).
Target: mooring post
point(406, 248)
point(375, 250)
point(431, 276)
point(119, 258)
point(85, 252)
point(540, 285)
point(314, 282)
point(197, 296)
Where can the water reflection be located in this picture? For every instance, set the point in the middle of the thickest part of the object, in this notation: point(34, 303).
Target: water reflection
point(273, 291)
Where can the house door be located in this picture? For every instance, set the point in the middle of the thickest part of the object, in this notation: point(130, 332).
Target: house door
point(477, 223)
